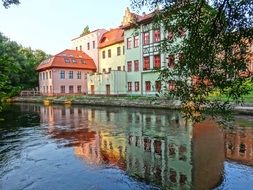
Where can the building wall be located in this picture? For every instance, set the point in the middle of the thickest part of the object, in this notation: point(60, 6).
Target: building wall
point(81, 44)
point(116, 80)
point(52, 86)
point(133, 54)
point(114, 61)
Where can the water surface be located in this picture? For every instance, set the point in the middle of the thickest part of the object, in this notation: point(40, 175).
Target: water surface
point(80, 147)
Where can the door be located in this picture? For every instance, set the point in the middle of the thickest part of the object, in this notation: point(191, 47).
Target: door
point(107, 89)
point(92, 89)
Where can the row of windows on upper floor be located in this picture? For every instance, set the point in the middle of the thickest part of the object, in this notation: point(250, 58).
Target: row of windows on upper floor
point(87, 46)
point(149, 87)
point(73, 60)
point(156, 37)
point(48, 75)
point(171, 62)
point(109, 52)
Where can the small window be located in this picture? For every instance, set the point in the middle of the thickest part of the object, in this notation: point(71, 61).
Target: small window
point(62, 75)
point(136, 41)
point(146, 65)
point(71, 89)
point(103, 54)
point(129, 86)
point(136, 65)
point(123, 50)
point(129, 43)
point(62, 89)
point(50, 74)
point(104, 70)
point(109, 53)
point(79, 75)
point(74, 60)
point(146, 38)
point(109, 70)
point(172, 85)
point(83, 61)
point(157, 62)
point(119, 68)
point(66, 60)
point(70, 74)
point(158, 86)
point(76, 48)
point(80, 48)
point(93, 44)
point(157, 35)
point(129, 66)
point(147, 86)
point(46, 75)
point(136, 86)
point(118, 51)
point(171, 61)
point(88, 46)
point(79, 89)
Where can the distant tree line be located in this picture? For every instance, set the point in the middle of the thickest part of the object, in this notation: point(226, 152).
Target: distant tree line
point(17, 67)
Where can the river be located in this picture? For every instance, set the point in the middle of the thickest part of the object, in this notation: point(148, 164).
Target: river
point(107, 148)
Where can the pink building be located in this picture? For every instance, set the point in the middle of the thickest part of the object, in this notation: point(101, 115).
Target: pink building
point(65, 73)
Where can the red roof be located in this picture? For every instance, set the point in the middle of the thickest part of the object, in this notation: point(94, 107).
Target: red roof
point(111, 37)
point(68, 59)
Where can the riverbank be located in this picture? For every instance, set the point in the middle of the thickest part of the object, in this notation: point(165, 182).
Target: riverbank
point(138, 102)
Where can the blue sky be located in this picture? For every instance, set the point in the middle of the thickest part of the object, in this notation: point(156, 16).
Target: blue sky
point(51, 24)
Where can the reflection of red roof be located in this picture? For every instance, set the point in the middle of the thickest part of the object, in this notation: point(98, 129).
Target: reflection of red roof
point(111, 37)
point(75, 59)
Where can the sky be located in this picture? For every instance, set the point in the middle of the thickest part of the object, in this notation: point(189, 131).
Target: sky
point(50, 25)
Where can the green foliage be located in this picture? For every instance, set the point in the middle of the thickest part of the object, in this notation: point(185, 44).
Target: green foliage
point(215, 50)
point(7, 3)
point(17, 67)
point(85, 31)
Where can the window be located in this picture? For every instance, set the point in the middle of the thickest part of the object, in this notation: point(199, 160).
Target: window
point(43, 76)
point(124, 68)
point(93, 44)
point(66, 60)
point(104, 70)
point(62, 75)
point(103, 54)
point(129, 86)
point(136, 41)
point(44, 89)
point(118, 51)
point(70, 74)
point(79, 75)
point(74, 60)
point(171, 85)
point(88, 46)
point(147, 86)
point(109, 53)
point(123, 50)
point(129, 41)
point(83, 61)
point(171, 61)
point(157, 62)
point(79, 89)
point(129, 66)
point(46, 75)
point(136, 86)
point(119, 68)
point(109, 70)
point(158, 86)
point(62, 89)
point(71, 89)
point(146, 65)
point(157, 35)
point(50, 74)
point(146, 38)
point(76, 48)
point(40, 76)
point(47, 88)
point(170, 35)
point(80, 48)
point(136, 65)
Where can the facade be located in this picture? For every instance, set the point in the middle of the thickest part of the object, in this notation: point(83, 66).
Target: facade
point(89, 44)
point(65, 73)
point(111, 76)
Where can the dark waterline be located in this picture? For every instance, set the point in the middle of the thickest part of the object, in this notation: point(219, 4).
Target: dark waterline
point(81, 147)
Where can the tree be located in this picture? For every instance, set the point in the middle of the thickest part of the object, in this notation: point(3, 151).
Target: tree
point(85, 31)
point(213, 54)
point(7, 3)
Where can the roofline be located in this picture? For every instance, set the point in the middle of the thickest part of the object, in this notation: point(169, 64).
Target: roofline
point(88, 33)
point(99, 47)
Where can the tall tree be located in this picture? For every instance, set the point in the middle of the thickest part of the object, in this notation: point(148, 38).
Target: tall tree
point(215, 40)
point(85, 31)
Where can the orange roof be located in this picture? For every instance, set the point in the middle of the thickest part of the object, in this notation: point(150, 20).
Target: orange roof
point(111, 37)
point(68, 59)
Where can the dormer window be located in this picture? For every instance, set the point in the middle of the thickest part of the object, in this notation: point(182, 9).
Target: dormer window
point(74, 60)
point(83, 61)
point(66, 60)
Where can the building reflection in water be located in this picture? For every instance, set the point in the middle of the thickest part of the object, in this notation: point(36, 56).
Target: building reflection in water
point(156, 146)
